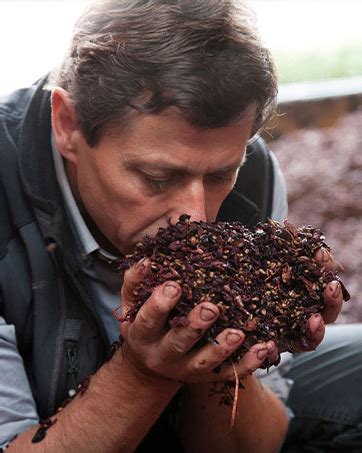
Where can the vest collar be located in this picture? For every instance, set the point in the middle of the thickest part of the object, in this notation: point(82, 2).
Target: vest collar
point(38, 175)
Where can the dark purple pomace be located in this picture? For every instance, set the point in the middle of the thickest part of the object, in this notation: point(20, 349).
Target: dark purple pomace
point(264, 281)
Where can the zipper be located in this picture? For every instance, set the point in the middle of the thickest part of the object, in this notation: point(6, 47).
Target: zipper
point(72, 368)
point(59, 374)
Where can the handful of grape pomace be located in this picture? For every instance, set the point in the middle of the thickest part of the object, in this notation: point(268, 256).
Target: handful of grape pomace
point(265, 281)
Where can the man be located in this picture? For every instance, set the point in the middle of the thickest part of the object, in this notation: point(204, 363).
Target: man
point(147, 118)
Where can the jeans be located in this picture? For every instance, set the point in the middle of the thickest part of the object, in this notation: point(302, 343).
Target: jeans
point(326, 397)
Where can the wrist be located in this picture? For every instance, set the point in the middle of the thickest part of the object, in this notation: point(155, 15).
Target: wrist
point(108, 413)
point(136, 375)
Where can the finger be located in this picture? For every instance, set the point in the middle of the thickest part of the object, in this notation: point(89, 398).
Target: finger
point(253, 359)
point(151, 319)
point(333, 300)
point(179, 340)
point(314, 333)
point(201, 363)
point(132, 279)
point(325, 259)
point(273, 356)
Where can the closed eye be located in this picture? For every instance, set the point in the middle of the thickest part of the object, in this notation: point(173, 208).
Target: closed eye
point(156, 184)
point(222, 178)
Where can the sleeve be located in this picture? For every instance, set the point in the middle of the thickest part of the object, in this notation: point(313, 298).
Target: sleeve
point(17, 405)
point(279, 209)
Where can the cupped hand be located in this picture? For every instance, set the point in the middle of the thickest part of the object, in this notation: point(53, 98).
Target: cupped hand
point(156, 351)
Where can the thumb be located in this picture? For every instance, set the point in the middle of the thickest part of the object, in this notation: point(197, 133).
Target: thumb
point(132, 278)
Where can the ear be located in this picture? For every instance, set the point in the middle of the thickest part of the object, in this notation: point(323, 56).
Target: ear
point(64, 124)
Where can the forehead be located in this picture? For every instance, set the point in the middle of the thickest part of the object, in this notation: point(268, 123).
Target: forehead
point(169, 137)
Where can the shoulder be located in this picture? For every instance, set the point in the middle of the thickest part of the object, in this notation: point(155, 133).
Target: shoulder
point(12, 110)
point(13, 105)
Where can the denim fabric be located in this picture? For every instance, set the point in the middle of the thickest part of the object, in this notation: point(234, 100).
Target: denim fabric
point(17, 406)
point(327, 395)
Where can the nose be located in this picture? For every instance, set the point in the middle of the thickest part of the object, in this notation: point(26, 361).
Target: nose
point(191, 200)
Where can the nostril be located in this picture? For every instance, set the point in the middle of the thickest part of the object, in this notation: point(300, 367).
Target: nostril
point(198, 218)
point(192, 216)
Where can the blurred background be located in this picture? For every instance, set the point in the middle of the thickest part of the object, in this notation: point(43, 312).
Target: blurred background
point(317, 46)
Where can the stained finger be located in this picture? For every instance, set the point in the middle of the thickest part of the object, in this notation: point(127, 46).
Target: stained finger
point(310, 339)
point(253, 359)
point(201, 363)
point(273, 356)
point(180, 339)
point(324, 258)
point(151, 319)
point(333, 300)
point(132, 279)
point(314, 333)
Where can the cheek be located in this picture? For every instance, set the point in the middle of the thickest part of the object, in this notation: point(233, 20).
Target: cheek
point(101, 185)
point(118, 206)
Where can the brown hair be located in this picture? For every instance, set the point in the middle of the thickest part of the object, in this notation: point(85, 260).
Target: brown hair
point(202, 56)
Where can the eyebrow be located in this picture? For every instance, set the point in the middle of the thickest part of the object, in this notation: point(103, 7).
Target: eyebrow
point(175, 169)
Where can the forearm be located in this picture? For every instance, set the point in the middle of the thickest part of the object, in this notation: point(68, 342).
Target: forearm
point(114, 414)
point(260, 424)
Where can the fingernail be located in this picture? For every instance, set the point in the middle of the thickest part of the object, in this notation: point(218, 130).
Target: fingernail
point(262, 353)
point(318, 324)
point(326, 256)
point(271, 346)
point(335, 289)
point(142, 264)
point(233, 338)
point(170, 290)
point(323, 256)
point(206, 314)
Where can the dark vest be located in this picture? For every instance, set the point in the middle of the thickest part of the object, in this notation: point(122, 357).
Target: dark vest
point(42, 290)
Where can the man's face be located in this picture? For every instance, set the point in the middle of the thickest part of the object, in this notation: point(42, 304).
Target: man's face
point(156, 169)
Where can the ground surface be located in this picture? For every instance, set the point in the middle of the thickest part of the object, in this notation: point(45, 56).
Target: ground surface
point(323, 169)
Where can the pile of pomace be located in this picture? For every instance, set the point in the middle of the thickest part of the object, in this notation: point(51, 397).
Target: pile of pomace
point(264, 281)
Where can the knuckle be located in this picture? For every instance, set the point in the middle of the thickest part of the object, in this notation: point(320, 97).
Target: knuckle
point(194, 333)
point(145, 322)
point(223, 352)
point(177, 347)
point(152, 362)
point(162, 308)
point(162, 304)
point(158, 303)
